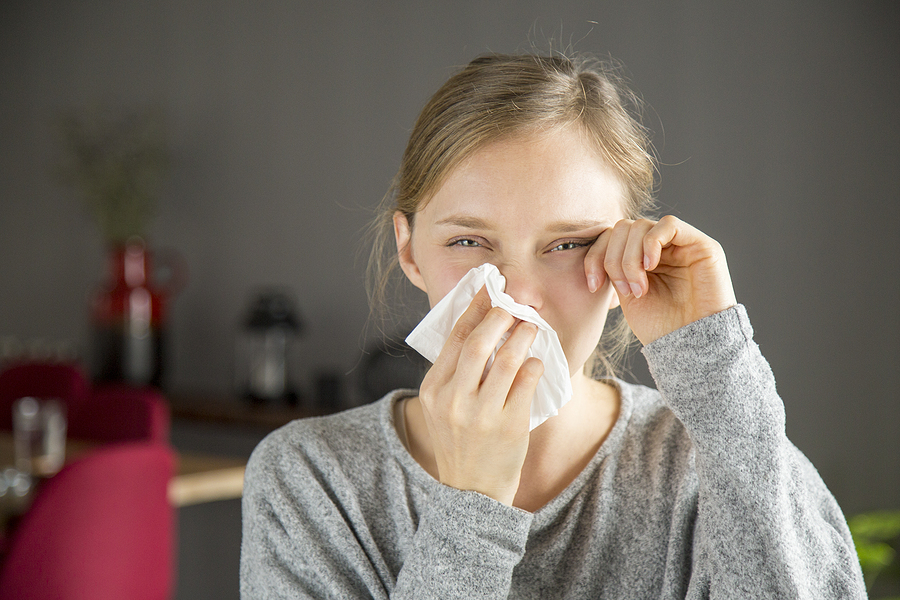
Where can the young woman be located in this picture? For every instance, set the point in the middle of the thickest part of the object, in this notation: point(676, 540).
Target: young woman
point(535, 165)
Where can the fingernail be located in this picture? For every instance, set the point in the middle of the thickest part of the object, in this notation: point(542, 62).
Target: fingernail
point(636, 290)
point(593, 283)
point(623, 288)
point(646, 263)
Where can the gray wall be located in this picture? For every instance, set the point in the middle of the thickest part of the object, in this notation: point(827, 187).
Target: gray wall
point(776, 125)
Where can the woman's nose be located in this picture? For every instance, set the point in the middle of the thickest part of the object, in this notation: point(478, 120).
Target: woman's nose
point(524, 287)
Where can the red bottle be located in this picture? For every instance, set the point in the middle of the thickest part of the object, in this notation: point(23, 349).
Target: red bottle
point(128, 317)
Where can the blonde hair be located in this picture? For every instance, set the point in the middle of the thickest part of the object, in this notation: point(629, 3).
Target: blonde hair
point(499, 96)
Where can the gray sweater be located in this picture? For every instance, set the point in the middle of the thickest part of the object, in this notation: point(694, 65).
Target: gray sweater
point(696, 493)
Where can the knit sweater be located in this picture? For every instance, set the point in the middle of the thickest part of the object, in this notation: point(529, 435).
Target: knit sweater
point(695, 493)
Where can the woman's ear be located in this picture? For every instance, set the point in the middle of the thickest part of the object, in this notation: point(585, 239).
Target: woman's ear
point(403, 235)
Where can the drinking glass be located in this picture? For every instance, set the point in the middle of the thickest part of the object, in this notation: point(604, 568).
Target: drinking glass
point(39, 436)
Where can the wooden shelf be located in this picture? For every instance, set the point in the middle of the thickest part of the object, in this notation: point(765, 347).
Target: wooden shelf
point(225, 409)
point(205, 478)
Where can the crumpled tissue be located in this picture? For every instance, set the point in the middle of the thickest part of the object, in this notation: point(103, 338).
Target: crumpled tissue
point(554, 389)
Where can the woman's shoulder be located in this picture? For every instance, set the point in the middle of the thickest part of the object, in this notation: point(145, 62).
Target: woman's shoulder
point(351, 438)
point(649, 422)
point(641, 403)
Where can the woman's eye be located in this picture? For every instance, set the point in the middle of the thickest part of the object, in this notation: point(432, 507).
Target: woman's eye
point(465, 243)
point(567, 246)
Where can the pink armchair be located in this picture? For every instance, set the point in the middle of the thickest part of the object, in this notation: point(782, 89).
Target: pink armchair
point(103, 526)
point(100, 529)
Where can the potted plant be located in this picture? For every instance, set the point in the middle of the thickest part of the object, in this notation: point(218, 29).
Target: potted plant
point(115, 161)
point(877, 539)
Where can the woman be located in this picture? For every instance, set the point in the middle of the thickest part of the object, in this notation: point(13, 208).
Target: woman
point(534, 164)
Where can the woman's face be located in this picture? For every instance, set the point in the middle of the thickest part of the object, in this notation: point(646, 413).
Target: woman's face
point(532, 206)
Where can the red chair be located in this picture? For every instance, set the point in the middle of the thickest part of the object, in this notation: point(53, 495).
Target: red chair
point(100, 529)
point(108, 413)
point(41, 380)
point(118, 413)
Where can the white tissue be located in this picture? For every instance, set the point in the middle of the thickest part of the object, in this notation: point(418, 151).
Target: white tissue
point(554, 389)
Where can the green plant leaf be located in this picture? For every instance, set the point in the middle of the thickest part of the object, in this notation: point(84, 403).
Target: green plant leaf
point(872, 533)
point(115, 160)
point(880, 526)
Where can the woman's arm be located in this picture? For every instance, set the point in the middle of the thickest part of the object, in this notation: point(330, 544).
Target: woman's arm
point(767, 527)
point(467, 546)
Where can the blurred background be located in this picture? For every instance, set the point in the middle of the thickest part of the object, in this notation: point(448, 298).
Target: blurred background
point(776, 125)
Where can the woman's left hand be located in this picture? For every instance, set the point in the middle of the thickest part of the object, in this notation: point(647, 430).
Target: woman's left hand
point(667, 274)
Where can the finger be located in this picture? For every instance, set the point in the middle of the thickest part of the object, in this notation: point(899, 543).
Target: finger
point(521, 392)
point(662, 234)
point(633, 257)
point(478, 348)
point(593, 261)
point(445, 364)
point(508, 361)
point(615, 251)
point(672, 232)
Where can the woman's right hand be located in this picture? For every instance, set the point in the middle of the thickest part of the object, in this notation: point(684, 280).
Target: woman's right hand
point(479, 421)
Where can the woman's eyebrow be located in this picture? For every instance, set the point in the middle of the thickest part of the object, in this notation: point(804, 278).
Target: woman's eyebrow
point(465, 221)
point(577, 225)
point(470, 222)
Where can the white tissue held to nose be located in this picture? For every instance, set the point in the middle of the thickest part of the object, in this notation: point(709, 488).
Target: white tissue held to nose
point(554, 389)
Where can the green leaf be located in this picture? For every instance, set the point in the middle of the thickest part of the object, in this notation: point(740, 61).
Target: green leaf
point(872, 533)
point(876, 526)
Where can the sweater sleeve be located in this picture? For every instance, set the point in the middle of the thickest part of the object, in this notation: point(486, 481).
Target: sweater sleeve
point(308, 532)
point(466, 546)
point(766, 527)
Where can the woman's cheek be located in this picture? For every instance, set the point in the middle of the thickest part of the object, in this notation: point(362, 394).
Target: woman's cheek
point(579, 318)
point(444, 280)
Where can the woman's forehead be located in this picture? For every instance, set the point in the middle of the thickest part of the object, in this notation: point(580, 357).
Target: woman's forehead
point(557, 178)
